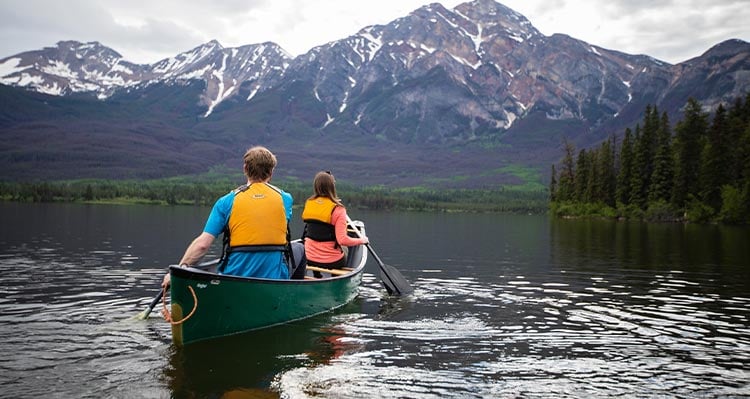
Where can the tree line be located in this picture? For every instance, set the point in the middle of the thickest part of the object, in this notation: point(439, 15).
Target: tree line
point(204, 190)
point(697, 171)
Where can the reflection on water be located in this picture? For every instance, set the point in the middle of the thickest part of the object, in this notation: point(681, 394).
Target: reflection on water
point(240, 364)
point(504, 306)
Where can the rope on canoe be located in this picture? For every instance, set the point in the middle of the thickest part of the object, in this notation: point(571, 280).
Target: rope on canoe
point(168, 316)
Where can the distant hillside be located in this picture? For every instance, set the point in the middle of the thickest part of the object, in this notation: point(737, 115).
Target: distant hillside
point(441, 98)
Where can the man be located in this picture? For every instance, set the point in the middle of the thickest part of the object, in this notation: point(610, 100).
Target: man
point(256, 218)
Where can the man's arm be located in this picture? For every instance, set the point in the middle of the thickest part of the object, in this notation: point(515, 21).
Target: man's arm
point(193, 254)
point(197, 249)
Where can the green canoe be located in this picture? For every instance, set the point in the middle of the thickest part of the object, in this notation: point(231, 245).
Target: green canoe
point(214, 305)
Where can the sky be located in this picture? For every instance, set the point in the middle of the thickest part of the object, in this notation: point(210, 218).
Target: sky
point(146, 31)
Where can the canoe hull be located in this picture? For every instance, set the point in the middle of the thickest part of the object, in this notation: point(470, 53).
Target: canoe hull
point(226, 305)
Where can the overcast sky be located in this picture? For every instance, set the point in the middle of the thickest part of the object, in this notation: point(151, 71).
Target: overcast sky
point(145, 31)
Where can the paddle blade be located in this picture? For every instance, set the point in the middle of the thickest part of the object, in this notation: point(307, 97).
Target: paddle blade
point(394, 282)
point(144, 315)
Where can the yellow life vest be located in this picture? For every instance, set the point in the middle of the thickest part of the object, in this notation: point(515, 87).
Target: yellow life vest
point(318, 209)
point(258, 217)
point(317, 217)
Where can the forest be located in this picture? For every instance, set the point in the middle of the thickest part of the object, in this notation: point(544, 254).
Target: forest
point(695, 171)
point(205, 189)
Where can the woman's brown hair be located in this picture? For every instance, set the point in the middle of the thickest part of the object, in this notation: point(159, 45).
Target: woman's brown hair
point(324, 185)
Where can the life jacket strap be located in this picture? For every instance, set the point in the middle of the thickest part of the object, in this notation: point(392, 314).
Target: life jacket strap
point(257, 248)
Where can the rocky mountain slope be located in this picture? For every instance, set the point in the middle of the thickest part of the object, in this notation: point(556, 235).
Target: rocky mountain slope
point(476, 87)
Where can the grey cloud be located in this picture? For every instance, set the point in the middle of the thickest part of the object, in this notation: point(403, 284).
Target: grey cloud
point(674, 30)
point(26, 24)
point(33, 22)
point(156, 36)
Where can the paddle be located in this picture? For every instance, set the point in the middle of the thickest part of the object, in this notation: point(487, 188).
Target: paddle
point(144, 315)
point(392, 279)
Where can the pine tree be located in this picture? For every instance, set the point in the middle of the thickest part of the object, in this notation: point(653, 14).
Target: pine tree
point(637, 177)
point(735, 127)
point(689, 137)
point(735, 207)
point(644, 154)
point(746, 109)
point(625, 172)
point(553, 185)
point(743, 153)
point(592, 187)
point(566, 189)
point(744, 156)
point(582, 189)
point(663, 176)
point(606, 175)
point(714, 163)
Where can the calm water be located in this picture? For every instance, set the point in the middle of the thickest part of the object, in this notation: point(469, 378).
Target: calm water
point(505, 306)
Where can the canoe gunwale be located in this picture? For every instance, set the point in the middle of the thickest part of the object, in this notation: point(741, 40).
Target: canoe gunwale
point(198, 274)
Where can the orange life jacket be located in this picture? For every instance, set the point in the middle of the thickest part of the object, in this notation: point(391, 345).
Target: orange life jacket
point(317, 218)
point(258, 218)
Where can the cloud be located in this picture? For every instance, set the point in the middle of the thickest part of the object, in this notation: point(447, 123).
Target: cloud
point(673, 31)
point(147, 30)
point(30, 25)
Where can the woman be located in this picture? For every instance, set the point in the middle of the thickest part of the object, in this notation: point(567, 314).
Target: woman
point(325, 225)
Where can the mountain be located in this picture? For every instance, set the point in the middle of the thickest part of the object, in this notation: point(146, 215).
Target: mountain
point(72, 67)
point(469, 97)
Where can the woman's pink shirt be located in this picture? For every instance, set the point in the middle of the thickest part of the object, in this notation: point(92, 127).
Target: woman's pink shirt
point(326, 251)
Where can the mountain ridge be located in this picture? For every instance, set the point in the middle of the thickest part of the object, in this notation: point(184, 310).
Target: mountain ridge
point(478, 80)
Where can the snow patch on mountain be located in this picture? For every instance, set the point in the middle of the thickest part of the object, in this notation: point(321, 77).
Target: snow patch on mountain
point(11, 66)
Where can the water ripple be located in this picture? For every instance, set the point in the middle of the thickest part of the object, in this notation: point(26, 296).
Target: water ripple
point(542, 336)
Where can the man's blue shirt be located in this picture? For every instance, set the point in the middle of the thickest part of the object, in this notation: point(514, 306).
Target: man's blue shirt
point(249, 264)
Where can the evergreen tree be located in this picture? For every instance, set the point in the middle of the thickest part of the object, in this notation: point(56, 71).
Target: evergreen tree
point(89, 193)
point(735, 196)
point(582, 189)
point(746, 109)
point(714, 164)
point(743, 156)
point(744, 180)
point(662, 178)
point(607, 177)
point(566, 189)
point(637, 177)
point(553, 185)
point(644, 154)
point(736, 123)
point(591, 192)
point(689, 137)
point(622, 193)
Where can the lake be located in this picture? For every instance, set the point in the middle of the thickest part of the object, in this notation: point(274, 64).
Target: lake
point(504, 306)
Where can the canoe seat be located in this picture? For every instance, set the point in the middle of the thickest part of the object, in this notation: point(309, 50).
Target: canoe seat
point(338, 272)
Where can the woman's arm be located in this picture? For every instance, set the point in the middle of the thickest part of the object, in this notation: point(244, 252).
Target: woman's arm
point(338, 217)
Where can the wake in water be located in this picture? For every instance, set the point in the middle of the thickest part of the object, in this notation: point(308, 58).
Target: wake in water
point(542, 336)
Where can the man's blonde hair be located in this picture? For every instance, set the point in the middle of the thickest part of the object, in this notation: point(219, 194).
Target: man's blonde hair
point(259, 163)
